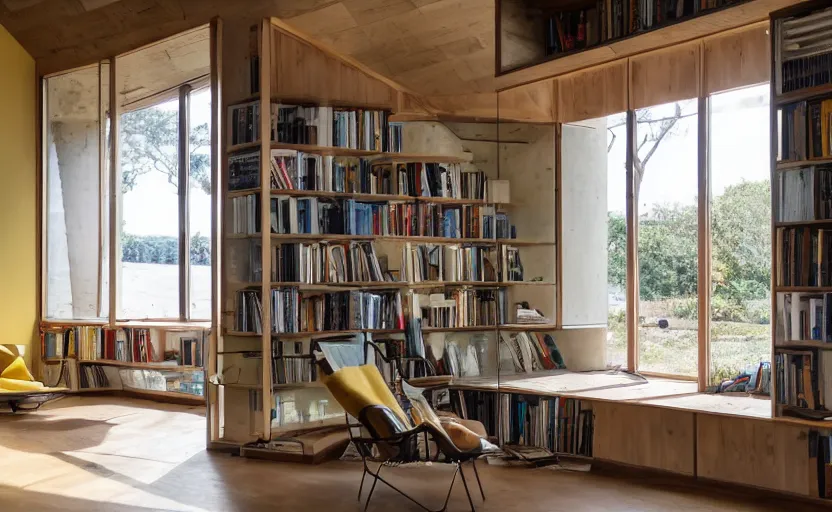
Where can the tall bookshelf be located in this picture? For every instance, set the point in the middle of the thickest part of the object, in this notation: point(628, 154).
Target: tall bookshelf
point(427, 267)
point(801, 124)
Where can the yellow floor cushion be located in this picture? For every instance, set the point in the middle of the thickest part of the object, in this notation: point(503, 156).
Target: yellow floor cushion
point(19, 385)
point(17, 371)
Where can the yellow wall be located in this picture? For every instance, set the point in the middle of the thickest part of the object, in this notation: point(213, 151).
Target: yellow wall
point(18, 199)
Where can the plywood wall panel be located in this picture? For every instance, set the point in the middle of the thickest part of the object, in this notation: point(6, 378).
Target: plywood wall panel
point(530, 103)
point(594, 92)
point(737, 58)
point(645, 436)
point(753, 452)
point(301, 71)
point(666, 75)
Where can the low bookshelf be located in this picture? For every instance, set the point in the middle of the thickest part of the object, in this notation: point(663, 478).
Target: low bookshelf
point(152, 360)
point(801, 115)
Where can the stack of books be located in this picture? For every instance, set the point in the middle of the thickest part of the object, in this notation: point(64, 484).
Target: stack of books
point(441, 180)
point(449, 263)
point(296, 312)
point(561, 425)
point(461, 307)
point(327, 262)
point(803, 51)
point(804, 381)
point(291, 365)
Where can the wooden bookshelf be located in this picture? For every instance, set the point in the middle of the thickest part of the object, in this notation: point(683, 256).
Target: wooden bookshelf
point(94, 338)
point(799, 385)
point(421, 142)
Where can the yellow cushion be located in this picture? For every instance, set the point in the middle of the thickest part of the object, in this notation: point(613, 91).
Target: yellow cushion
point(17, 370)
point(356, 387)
point(6, 357)
point(19, 385)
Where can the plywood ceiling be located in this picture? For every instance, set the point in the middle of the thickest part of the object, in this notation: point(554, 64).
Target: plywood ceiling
point(429, 46)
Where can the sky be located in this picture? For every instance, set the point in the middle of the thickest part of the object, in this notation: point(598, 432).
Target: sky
point(739, 150)
point(151, 207)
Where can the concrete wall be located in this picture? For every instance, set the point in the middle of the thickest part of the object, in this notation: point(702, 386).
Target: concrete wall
point(18, 196)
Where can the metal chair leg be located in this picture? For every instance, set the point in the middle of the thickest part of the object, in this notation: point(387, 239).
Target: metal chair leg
point(373, 488)
point(361, 487)
point(458, 469)
point(477, 474)
point(467, 492)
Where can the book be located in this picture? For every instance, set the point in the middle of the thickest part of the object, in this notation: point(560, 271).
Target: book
point(460, 307)
point(293, 311)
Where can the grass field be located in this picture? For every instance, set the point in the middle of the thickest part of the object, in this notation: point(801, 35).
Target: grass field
point(734, 346)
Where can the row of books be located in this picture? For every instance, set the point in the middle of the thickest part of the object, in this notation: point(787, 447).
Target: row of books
point(806, 130)
point(804, 381)
point(435, 262)
point(467, 361)
point(290, 364)
point(327, 262)
point(317, 125)
point(805, 194)
point(526, 352)
point(313, 215)
point(610, 19)
point(803, 51)
point(334, 262)
point(328, 126)
point(793, 128)
point(421, 179)
point(92, 343)
point(92, 376)
point(803, 256)
point(560, 425)
point(807, 316)
point(462, 307)
point(296, 312)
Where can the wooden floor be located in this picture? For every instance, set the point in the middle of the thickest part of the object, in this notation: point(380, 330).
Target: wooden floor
point(101, 453)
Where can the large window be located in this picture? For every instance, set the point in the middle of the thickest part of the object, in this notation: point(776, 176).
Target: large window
point(740, 231)
point(165, 221)
point(665, 175)
point(162, 207)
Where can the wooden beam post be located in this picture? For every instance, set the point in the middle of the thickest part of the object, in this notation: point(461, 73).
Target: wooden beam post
point(265, 217)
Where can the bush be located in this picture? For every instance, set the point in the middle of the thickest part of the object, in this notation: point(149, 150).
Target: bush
point(686, 308)
point(163, 249)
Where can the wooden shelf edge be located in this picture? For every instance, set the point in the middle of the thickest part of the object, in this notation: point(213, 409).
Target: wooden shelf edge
point(141, 366)
point(787, 165)
point(802, 94)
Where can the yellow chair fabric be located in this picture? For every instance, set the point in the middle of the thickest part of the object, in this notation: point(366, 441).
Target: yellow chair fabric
point(356, 387)
point(14, 376)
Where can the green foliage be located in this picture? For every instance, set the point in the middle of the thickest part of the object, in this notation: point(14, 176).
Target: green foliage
point(667, 244)
point(149, 143)
point(163, 249)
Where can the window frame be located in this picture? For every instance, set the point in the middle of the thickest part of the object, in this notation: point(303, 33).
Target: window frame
point(704, 244)
point(109, 258)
